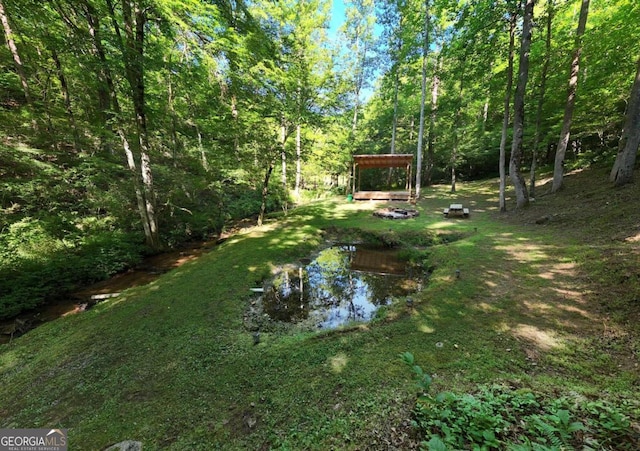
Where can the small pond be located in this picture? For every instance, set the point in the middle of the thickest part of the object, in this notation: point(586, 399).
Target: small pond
point(342, 284)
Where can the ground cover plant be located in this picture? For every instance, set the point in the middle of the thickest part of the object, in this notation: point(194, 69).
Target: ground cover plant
point(541, 301)
point(502, 417)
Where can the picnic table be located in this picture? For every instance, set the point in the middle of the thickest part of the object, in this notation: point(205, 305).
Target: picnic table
point(456, 210)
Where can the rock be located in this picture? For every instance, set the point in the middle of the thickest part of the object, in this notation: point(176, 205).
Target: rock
point(9, 329)
point(396, 213)
point(250, 421)
point(127, 445)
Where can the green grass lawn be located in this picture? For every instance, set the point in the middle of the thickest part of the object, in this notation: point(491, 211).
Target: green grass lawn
point(546, 300)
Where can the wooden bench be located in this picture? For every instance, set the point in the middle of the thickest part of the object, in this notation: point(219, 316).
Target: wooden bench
point(456, 210)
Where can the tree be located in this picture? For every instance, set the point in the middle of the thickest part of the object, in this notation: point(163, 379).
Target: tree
point(541, 98)
point(11, 43)
point(522, 197)
point(358, 30)
point(507, 109)
point(134, 17)
point(622, 172)
point(430, 157)
point(425, 53)
point(563, 142)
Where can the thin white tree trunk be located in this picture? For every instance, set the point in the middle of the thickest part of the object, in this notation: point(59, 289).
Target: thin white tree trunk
point(395, 110)
point(283, 154)
point(298, 159)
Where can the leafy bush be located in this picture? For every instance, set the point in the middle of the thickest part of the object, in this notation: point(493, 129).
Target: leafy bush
point(498, 417)
point(45, 259)
point(240, 200)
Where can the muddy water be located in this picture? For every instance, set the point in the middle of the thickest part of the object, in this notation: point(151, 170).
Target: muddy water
point(149, 270)
point(343, 284)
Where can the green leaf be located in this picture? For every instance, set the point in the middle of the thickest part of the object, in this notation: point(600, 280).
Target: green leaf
point(436, 444)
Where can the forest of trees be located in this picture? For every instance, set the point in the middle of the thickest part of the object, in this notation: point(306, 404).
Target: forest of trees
point(128, 126)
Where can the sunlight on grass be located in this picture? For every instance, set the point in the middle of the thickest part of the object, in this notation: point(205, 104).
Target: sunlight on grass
point(565, 269)
point(525, 253)
point(338, 362)
point(545, 340)
point(8, 361)
point(487, 308)
point(441, 225)
point(633, 239)
point(579, 311)
point(424, 328)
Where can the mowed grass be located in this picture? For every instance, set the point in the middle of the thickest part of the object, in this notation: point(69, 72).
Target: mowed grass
point(545, 299)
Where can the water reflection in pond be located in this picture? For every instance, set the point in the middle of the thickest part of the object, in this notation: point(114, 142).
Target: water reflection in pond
point(341, 285)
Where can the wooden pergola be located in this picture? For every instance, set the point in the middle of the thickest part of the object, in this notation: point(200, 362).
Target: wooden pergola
point(361, 162)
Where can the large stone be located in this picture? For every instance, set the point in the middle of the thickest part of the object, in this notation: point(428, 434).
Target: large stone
point(127, 445)
point(396, 213)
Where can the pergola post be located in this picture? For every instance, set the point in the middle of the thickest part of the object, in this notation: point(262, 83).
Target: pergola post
point(353, 177)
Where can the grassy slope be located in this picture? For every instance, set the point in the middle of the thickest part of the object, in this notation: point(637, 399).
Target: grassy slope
point(548, 306)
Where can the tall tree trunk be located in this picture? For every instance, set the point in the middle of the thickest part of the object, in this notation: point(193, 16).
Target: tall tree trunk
point(105, 87)
point(67, 99)
point(457, 125)
point(358, 86)
point(425, 54)
point(522, 197)
point(203, 155)
point(134, 27)
point(265, 192)
point(432, 124)
point(298, 159)
point(507, 113)
point(283, 153)
point(13, 48)
point(132, 48)
point(558, 168)
point(394, 127)
point(177, 145)
point(94, 28)
point(622, 172)
point(543, 88)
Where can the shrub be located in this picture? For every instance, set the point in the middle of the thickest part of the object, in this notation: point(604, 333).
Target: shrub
point(38, 266)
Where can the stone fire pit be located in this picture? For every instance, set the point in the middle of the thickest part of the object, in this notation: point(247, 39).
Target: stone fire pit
point(396, 213)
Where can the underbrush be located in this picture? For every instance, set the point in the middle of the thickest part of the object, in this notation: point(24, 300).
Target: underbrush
point(68, 221)
point(43, 260)
point(502, 417)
